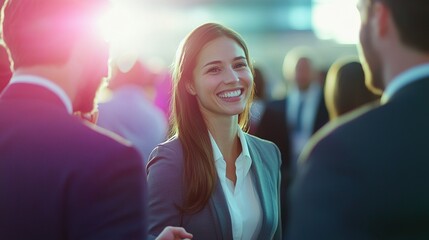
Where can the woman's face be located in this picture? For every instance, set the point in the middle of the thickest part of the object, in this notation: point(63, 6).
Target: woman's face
point(222, 79)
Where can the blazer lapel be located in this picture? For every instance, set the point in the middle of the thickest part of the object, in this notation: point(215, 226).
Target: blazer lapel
point(260, 179)
point(219, 208)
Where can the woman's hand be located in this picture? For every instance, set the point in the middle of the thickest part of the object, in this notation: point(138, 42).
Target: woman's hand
point(174, 233)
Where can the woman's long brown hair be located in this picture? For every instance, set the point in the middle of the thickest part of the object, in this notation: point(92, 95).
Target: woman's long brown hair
point(200, 174)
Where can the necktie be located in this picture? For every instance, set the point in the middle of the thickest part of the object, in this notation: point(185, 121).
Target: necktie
point(298, 123)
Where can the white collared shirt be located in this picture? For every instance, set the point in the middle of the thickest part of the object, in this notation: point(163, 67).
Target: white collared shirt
point(242, 199)
point(43, 82)
point(407, 77)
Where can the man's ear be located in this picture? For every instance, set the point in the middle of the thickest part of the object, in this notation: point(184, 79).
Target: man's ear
point(190, 88)
point(382, 15)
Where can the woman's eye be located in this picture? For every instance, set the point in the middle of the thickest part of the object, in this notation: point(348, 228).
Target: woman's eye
point(213, 70)
point(240, 65)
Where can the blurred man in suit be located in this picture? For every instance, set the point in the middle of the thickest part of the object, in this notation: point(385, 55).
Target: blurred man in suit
point(61, 178)
point(367, 177)
point(129, 111)
point(305, 105)
point(290, 122)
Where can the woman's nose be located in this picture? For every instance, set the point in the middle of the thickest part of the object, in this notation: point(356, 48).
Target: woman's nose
point(231, 76)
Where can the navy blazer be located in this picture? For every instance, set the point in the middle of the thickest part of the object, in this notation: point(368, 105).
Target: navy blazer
point(61, 178)
point(165, 186)
point(368, 176)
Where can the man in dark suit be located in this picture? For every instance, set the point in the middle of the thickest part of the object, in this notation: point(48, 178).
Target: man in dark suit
point(62, 178)
point(367, 177)
point(290, 122)
point(304, 107)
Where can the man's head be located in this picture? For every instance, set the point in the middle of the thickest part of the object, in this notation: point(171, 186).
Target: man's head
point(50, 32)
point(388, 26)
point(298, 68)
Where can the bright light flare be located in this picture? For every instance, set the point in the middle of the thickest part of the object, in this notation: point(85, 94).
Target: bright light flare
point(136, 29)
point(337, 20)
point(121, 24)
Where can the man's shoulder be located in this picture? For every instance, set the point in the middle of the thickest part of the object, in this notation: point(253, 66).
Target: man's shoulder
point(85, 140)
point(353, 128)
point(104, 141)
point(358, 120)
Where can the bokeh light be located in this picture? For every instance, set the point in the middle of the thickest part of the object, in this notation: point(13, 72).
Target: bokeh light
point(337, 20)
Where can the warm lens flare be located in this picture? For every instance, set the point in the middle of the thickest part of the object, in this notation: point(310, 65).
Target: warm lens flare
point(337, 20)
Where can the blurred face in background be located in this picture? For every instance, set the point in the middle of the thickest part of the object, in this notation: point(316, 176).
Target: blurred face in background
point(303, 73)
point(371, 58)
point(222, 79)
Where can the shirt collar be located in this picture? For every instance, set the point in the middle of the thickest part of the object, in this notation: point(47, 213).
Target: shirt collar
point(217, 154)
point(43, 82)
point(407, 77)
point(244, 147)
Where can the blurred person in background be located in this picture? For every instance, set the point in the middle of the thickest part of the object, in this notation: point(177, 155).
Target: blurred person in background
point(259, 100)
point(163, 92)
point(291, 121)
point(305, 105)
point(345, 88)
point(130, 111)
point(57, 172)
point(211, 177)
point(271, 125)
point(366, 175)
point(60, 177)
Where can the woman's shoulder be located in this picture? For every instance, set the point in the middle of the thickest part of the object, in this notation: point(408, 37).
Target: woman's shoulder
point(259, 142)
point(169, 152)
point(172, 143)
point(264, 148)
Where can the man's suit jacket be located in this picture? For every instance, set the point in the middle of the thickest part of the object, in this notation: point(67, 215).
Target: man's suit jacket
point(61, 178)
point(274, 127)
point(165, 186)
point(367, 177)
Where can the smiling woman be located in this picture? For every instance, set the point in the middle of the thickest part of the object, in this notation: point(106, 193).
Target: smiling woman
point(223, 81)
point(210, 173)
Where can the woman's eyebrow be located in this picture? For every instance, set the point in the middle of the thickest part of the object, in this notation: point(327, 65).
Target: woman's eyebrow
point(217, 61)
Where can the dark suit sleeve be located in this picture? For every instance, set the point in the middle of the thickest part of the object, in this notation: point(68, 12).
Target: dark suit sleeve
point(326, 195)
point(108, 199)
point(164, 176)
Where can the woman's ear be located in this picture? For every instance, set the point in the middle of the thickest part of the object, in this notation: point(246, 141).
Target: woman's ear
point(190, 88)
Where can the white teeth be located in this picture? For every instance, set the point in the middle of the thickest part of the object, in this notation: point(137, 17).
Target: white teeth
point(231, 94)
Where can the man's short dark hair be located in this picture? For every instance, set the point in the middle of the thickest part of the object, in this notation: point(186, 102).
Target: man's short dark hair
point(412, 20)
